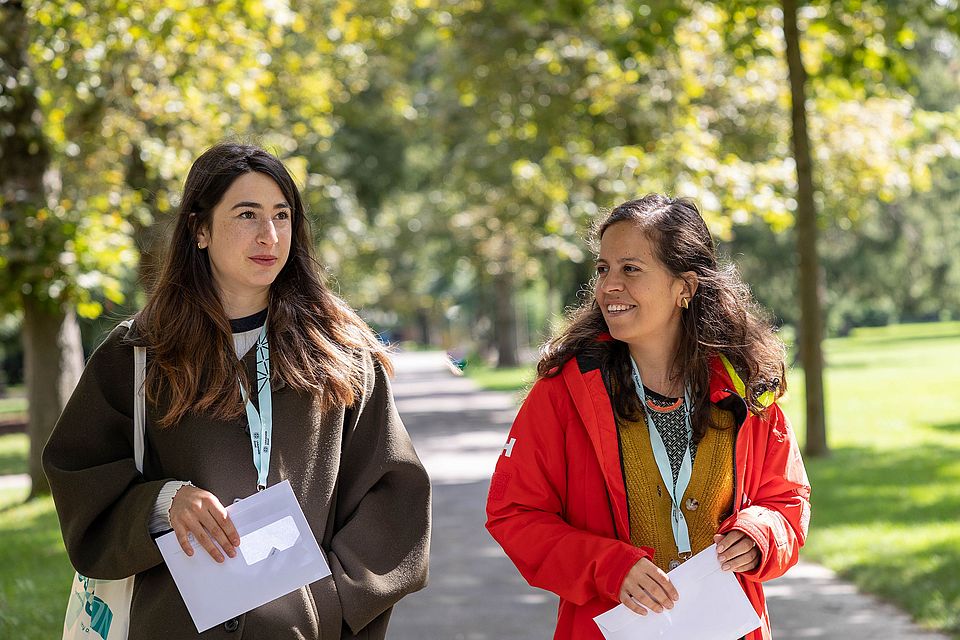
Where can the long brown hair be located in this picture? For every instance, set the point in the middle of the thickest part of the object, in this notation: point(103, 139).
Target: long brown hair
point(316, 340)
point(722, 318)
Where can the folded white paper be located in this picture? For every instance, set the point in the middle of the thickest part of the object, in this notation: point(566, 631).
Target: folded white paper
point(712, 606)
point(278, 555)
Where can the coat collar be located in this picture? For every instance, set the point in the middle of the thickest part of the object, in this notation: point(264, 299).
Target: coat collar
point(584, 381)
point(590, 398)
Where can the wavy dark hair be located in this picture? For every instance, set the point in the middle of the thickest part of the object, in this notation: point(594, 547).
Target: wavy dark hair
point(317, 341)
point(722, 318)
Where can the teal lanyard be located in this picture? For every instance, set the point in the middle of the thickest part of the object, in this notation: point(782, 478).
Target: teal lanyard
point(261, 424)
point(676, 489)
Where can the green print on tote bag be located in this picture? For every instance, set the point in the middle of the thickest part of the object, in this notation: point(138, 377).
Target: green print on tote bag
point(100, 609)
point(90, 611)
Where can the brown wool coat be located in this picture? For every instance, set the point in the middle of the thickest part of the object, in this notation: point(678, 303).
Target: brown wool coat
point(355, 473)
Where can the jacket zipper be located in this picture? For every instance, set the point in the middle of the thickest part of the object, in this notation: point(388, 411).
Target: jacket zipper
point(737, 503)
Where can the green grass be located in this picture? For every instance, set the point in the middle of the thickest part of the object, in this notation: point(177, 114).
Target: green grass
point(15, 404)
point(36, 572)
point(506, 379)
point(14, 448)
point(886, 503)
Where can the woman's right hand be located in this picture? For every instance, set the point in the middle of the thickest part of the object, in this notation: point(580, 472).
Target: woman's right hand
point(198, 512)
point(647, 587)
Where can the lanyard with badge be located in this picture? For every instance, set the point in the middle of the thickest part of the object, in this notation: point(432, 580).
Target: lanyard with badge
point(676, 489)
point(261, 423)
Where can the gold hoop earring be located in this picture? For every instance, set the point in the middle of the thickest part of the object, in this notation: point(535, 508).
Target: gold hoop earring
point(685, 303)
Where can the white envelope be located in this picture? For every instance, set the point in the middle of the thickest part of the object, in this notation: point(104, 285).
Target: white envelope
point(712, 606)
point(278, 554)
point(262, 543)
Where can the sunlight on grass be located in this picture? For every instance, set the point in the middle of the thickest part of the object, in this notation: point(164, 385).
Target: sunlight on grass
point(14, 448)
point(886, 503)
point(506, 379)
point(33, 594)
point(15, 402)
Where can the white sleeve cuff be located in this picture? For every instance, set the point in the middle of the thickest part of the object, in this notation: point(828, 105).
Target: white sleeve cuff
point(160, 518)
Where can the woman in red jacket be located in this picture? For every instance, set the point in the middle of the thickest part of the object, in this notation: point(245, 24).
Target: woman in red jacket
point(652, 432)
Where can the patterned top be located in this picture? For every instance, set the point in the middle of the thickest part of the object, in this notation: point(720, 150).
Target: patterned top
point(672, 428)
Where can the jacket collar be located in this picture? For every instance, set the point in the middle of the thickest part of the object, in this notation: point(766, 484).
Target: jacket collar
point(584, 381)
point(585, 384)
point(724, 380)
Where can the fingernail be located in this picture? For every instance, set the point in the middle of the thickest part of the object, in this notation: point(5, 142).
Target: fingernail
point(231, 553)
point(721, 558)
point(725, 567)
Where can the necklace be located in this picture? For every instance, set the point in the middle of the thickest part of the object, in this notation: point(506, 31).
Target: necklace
point(666, 409)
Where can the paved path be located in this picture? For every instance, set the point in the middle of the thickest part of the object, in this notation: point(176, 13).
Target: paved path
point(475, 593)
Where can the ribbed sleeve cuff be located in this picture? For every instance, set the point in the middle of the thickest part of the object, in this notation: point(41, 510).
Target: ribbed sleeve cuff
point(160, 518)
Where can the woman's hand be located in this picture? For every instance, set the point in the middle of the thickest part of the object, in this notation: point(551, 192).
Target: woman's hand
point(198, 512)
point(647, 587)
point(737, 551)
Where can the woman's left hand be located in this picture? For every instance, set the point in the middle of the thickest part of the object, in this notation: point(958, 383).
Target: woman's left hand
point(737, 551)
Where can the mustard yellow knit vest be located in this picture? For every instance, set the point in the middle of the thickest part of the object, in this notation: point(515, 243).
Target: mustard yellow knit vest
point(707, 502)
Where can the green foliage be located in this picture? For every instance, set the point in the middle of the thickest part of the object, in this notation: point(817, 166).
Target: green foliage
point(539, 117)
point(442, 144)
point(130, 94)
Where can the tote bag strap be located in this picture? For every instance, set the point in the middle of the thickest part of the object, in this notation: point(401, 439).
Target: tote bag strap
point(139, 402)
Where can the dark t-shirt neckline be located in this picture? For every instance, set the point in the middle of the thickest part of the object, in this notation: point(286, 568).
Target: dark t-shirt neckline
point(248, 323)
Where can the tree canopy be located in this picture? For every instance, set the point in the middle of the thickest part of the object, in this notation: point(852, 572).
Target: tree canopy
point(453, 154)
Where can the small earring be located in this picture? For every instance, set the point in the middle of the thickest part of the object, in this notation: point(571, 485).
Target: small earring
point(198, 246)
point(685, 303)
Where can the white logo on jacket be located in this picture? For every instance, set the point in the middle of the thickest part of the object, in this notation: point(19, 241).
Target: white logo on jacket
point(508, 448)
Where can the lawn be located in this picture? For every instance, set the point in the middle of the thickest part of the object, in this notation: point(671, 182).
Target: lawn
point(36, 572)
point(14, 404)
point(886, 503)
point(13, 453)
point(506, 379)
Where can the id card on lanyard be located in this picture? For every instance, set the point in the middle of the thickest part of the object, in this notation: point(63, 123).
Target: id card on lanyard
point(676, 489)
point(261, 423)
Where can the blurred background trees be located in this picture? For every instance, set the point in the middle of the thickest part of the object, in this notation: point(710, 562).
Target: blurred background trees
point(454, 153)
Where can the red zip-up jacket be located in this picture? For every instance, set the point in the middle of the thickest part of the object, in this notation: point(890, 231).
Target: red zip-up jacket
point(558, 505)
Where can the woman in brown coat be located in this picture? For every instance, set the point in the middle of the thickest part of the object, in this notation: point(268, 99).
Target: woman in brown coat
point(240, 272)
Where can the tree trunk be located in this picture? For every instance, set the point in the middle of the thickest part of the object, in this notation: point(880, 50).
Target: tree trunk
point(53, 356)
point(811, 320)
point(53, 362)
point(505, 319)
point(424, 331)
point(150, 238)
